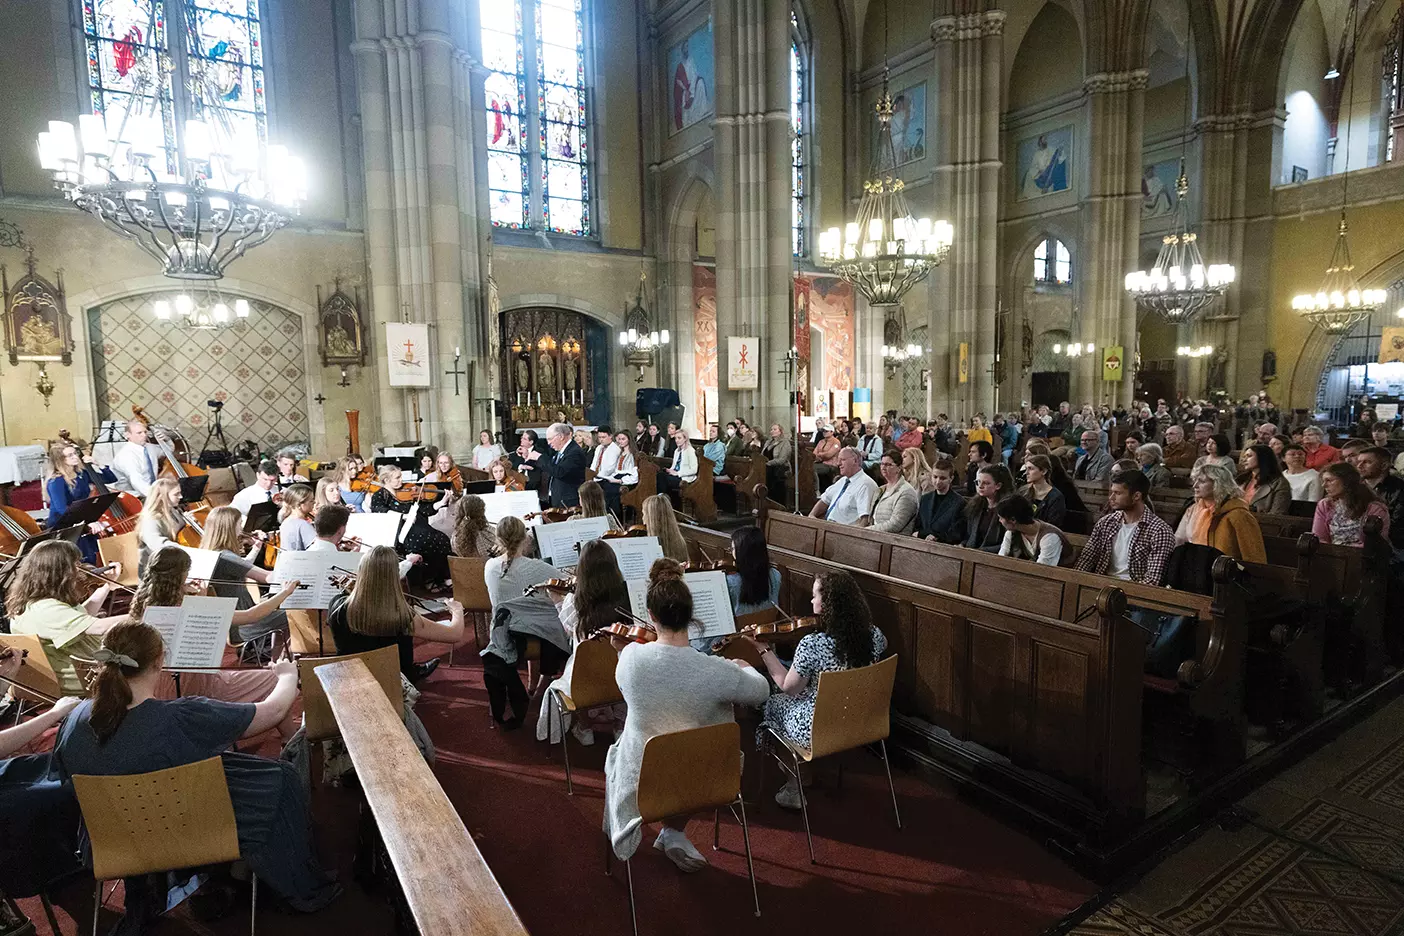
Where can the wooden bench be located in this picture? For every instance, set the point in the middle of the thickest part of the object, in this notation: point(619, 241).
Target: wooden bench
point(743, 473)
point(445, 880)
point(698, 496)
point(1043, 710)
point(646, 488)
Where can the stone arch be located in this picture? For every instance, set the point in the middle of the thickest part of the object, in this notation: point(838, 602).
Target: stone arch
point(1039, 50)
point(695, 331)
point(85, 394)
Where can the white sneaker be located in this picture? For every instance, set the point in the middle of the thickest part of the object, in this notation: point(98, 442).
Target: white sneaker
point(586, 736)
point(680, 850)
point(788, 796)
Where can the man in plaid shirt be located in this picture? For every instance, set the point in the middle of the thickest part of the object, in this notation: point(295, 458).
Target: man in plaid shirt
point(1130, 542)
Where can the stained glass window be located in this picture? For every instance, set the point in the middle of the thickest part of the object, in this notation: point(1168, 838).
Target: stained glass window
point(129, 73)
point(1052, 263)
point(224, 61)
point(509, 188)
point(797, 147)
point(560, 77)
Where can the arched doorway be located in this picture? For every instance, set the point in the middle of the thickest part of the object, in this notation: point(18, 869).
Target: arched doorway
point(555, 361)
point(1353, 367)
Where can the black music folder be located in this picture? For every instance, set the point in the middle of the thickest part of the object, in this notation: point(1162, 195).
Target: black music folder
point(88, 510)
point(262, 516)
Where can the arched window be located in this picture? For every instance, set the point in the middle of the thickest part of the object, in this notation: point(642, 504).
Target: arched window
point(1393, 90)
point(1052, 263)
point(135, 68)
point(541, 58)
point(799, 123)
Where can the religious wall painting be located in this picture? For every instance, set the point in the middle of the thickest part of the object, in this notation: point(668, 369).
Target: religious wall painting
point(407, 353)
point(802, 333)
point(824, 306)
point(1043, 164)
point(690, 77)
point(704, 340)
point(340, 333)
point(909, 141)
point(37, 324)
point(1158, 196)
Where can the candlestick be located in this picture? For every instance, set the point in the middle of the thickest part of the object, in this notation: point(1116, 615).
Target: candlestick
point(538, 398)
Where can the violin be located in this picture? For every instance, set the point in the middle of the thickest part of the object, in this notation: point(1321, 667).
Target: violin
point(423, 491)
point(771, 631)
point(553, 514)
point(633, 630)
point(560, 586)
point(351, 544)
point(637, 529)
point(720, 564)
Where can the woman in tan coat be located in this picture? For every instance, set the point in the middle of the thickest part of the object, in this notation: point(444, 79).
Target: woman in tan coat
point(1219, 517)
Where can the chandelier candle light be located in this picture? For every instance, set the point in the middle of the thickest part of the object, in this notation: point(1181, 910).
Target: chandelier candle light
point(193, 223)
point(1180, 285)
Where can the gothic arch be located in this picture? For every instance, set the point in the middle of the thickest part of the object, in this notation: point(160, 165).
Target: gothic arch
point(694, 191)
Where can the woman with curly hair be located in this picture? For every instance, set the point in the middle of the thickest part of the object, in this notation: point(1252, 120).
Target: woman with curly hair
point(472, 535)
point(847, 639)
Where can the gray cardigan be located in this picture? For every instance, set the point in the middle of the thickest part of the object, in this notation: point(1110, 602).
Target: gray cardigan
point(512, 612)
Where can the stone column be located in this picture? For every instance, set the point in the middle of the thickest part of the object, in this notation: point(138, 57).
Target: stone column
point(1112, 220)
point(960, 298)
point(752, 154)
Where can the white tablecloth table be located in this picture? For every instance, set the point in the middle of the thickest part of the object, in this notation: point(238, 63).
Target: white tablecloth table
point(21, 463)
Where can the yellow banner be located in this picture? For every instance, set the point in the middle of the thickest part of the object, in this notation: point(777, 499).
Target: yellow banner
point(964, 371)
point(1391, 344)
point(1113, 362)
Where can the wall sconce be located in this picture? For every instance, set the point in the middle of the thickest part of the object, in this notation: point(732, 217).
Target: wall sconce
point(45, 385)
point(894, 356)
point(638, 339)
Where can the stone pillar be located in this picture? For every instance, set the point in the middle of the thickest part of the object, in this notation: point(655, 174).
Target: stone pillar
point(960, 298)
point(1112, 220)
point(422, 208)
point(752, 154)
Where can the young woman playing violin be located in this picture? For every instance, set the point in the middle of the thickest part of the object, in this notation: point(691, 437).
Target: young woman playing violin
point(350, 486)
point(506, 476)
point(295, 530)
point(446, 472)
point(422, 539)
point(161, 519)
point(667, 687)
point(592, 504)
point(595, 602)
point(326, 492)
point(70, 483)
point(238, 553)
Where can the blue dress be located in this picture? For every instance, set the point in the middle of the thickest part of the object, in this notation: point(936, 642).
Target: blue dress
point(61, 496)
point(270, 805)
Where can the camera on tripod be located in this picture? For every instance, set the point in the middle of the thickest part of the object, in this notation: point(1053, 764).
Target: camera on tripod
point(215, 404)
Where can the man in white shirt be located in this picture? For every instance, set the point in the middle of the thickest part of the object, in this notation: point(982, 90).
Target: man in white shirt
point(606, 458)
point(851, 498)
point(261, 491)
point(137, 463)
point(331, 530)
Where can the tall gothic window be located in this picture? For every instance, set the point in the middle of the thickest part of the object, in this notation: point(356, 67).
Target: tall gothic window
point(540, 57)
point(1052, 263)
point(138, 66)
point(1393, 81)
point(799, 101)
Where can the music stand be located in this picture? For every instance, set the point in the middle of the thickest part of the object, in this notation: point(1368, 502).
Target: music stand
point(89, 510)
point(263, 517)
point(192, 488)
point(479, 487)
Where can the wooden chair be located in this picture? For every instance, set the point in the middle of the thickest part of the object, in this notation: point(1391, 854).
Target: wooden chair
point(851, 710)
point(126, 549)
point(303, 633)
point(36, 679)
point(592, 684)
point(166, 820)
point(685, 772)
point(698, 497)
point(470, 590)
point(317, 716)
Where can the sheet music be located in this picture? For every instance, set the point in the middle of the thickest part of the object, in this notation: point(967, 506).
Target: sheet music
point(512, 504)
point(195, 633)
point(374, 529)
point(711, 603)
point(315, 568)
point(636, 555)
point(558, 543)
point(202, 563)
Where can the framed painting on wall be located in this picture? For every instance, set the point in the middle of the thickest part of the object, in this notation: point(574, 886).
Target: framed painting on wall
point(908, 125)
point(690, 74)
point(1158, 195)
point(1043, 164)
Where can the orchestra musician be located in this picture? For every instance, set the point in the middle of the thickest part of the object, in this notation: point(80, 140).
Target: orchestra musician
point(592, 504)
point(507, 576)
point(53, 600)
point(330, 526)
point(506, 476)
point(660, 521)
point(137, 464)
point(161, 520)
point(375, 614)
point(69, 484)
point(420, 539)
point(234, 567)
point(263, 490)
point(327, 492)
point(345, 472)
point(473, 537)
point(599, 593)
point(287, 470)
point(126, 728)
point(295, 530)
point(668, 686)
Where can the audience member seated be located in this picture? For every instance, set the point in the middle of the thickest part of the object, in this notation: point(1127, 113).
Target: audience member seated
point(684, 467)
point(979, 456)
point(1047, 501)
point(896, 506)
point(599, 594)
point(915, 469)
point(660, 521)
point(825, 457)
point(846, 639)
point(125, 729)
point(1219, 517)
point(1305, 482)
point(1130, 542)
point(1318, 453)
point(668, 687)
point(982, 529)
point(1028, 538)
point(1264, 486)
point(851, 498)
point(778, 457)
point(1216, 452)
point(1340, 514)
point(1095, 463)
point(1151, 458)
point(1179, 451)
point(1373, 465)
point(941, 513)
point(715, 449)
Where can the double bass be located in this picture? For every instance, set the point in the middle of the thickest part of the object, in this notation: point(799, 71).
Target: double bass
point(175, 468)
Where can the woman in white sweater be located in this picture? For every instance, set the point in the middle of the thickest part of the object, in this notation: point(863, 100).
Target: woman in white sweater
point(668, 687)
point(896, 507)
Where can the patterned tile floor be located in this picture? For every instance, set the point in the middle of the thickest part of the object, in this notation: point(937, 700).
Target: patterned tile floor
point(1321, 855)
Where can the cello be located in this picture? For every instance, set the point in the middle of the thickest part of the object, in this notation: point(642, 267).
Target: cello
point(175, 468)
point(125, 512)
point(16, 526)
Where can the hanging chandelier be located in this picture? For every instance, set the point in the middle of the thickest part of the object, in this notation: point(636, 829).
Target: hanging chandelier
point(208, 312)
point(1194, 352)
point(885, 251)
point(1180, 285)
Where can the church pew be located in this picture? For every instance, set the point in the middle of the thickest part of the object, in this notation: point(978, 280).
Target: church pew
point(646, 488)
point(743, 473)
point(697, 496)
point(1017, 701)
point(447, 885)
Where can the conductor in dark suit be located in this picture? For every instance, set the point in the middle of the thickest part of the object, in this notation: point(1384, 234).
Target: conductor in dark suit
point(566, 467)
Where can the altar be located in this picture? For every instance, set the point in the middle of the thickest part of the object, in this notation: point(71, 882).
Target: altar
point(552, 361)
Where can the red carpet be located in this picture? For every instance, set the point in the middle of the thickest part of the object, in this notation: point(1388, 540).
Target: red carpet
point(952, 869)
